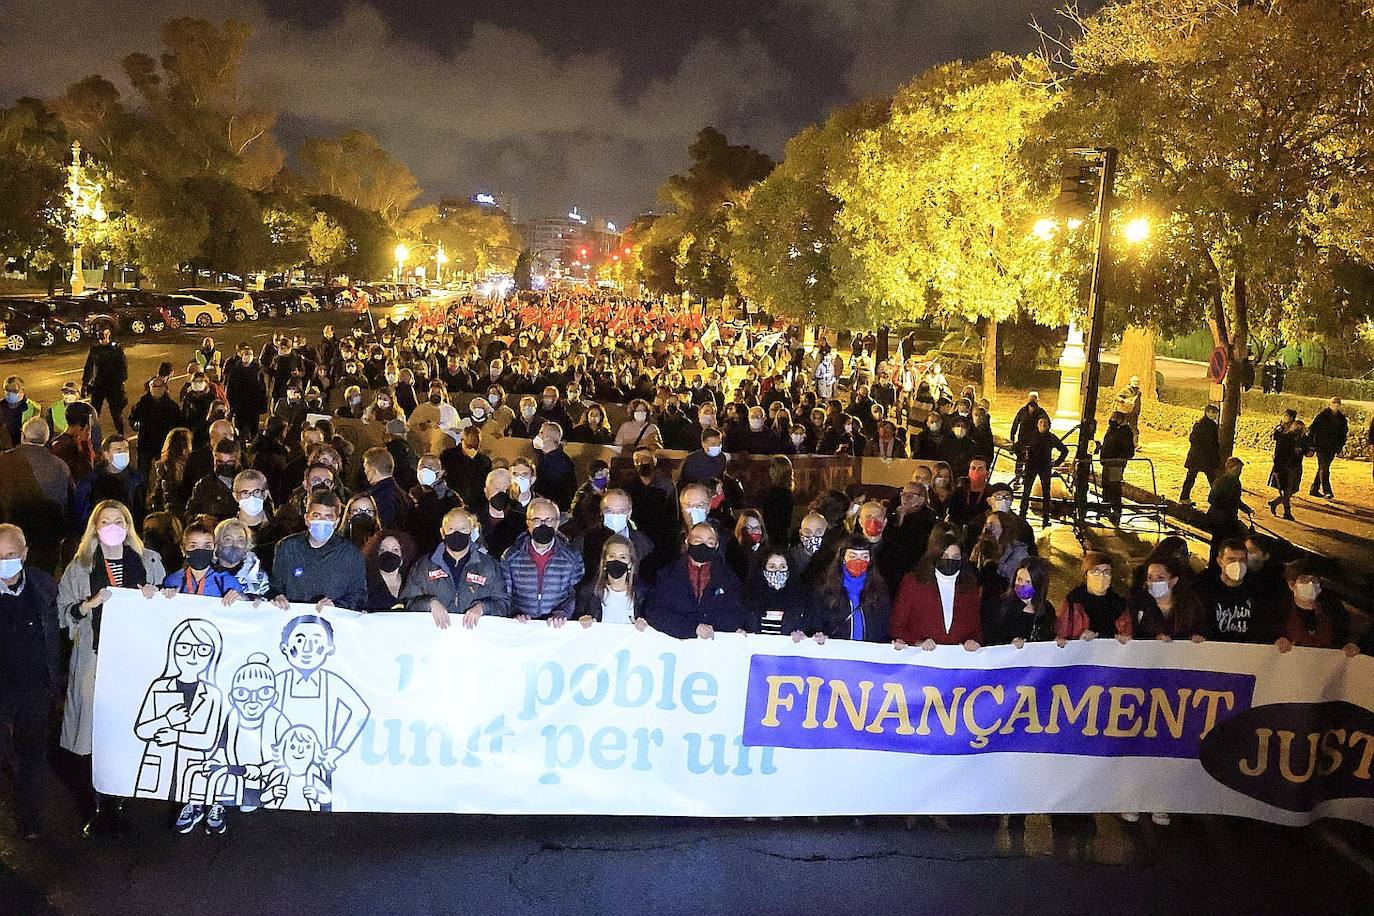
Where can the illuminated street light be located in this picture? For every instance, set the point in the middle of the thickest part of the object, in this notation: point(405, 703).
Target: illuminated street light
point(1137, 230)
point(83, 199)
point(1074, 224)
point(401, 252)
point(1044, 229)
point(440, 259)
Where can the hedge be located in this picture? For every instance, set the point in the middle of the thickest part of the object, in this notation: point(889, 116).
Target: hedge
point(1313, 383)
point(1253, 430)
point(1262, 410)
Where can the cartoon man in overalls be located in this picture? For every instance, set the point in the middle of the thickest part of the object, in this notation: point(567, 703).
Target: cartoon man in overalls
point(320, 700)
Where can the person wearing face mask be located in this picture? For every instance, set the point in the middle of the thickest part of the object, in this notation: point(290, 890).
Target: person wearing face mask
point(957, 448)
point(1235, 608)
point(360, 520)
point(245, 388)
point(970, 493)
point(1024, 613)
point(852, 600)
point(198, 575)
point(1262, 568)
point(213, 494)
point(705, 463)
point(466, 467)
point(994, 558)
point(104, 376)
point(433, 499)
point(750, 541)
point(112, 478)
point(676, 427)
point(585, 513)
point(555, 473)
point(30, 672)
point(1165, 607)
point(541, 568)
point(614, 591)
point(1118, 447)
point(887, 444)
point(318, 566)
point(15, 410)
point(197, 396)
point(153, 417)
point(526, 422)
point(929, 444)
point(389, 555)
point(393, 504)
point(639, 431)
point(1092, 608)
point(698, 594)
point(383, 407)
point(1312, 617)
point(523, 478)
point(352, 406)
point(776, 603)
point(939, 603)
point(235, 554)
point(1042, 452)
point(503, 520)
point(455, 578)
point(110, 554)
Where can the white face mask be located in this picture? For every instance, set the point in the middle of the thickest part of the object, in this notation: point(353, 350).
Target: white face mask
point(756, 424)
point(696, 515)
point(1307, 591)
point(11, 568)
point(251, 505)
point(1235, 570)
point(119, 460)
point(526, 412)
point(427, 477)
point(523, 483)
point(641, 416)
point(615, 521)
point(713, 451)
point(1159, 589)
point(493, 399)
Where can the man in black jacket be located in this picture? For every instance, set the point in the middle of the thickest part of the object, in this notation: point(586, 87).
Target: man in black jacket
point(246, 390)
point(1328, 433)
point(29, 672)
point(106, 371)
point(1204, 453)
point(318, 566)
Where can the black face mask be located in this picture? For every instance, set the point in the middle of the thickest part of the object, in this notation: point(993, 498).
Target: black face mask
point(701, 553)
point(500, 502)
point(457, 541)
point(388, 562)
point(201, 558)
point(362, 524)
point(645, 470)
point(435, 399)
point(542, 534)
point(616, 568)
point(948, 566)
point(227, 470)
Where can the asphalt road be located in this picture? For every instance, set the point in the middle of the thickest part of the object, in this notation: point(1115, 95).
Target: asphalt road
point(380, 864)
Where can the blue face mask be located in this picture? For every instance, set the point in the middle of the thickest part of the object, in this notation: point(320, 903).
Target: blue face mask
point(321, 530)
point(13, 398)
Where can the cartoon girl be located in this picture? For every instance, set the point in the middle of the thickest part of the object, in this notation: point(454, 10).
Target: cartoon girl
point(253, 728)
point(181, 716)
point(297, 780)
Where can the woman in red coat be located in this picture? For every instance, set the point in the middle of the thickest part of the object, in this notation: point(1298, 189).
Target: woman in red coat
point(938, 603)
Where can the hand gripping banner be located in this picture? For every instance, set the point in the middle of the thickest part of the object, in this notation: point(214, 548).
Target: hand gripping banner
point(383, 712)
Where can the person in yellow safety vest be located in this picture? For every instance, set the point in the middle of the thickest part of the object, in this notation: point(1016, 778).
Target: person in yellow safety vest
point(16, 409)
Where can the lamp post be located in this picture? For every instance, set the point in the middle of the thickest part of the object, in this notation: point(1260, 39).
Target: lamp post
point(83, 199)
point(401, 252)
point(440, 259)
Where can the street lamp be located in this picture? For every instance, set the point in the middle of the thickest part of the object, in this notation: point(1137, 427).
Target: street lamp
point(83, 199)
point(401, 252)
point(1044, 229)
point(440, 259)
point(1137, 230)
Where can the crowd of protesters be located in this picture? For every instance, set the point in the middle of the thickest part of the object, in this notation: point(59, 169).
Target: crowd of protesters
point(242, 485)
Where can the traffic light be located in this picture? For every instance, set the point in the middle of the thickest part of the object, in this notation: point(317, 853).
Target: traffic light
point(1077, 190)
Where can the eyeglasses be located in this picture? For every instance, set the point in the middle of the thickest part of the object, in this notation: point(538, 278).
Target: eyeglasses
point(244, 694)
point(187, 649)
point(244, 494)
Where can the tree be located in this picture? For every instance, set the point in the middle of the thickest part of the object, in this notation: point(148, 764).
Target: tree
point(355, 168)
point(367, 250)
point(326, 243)
point(694, 238)
point(33, 147)
point(475, 239)
point(1240, 124)
point(783, 230)
point(939, 206)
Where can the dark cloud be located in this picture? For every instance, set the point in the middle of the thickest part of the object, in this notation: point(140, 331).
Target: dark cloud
point(588, 103)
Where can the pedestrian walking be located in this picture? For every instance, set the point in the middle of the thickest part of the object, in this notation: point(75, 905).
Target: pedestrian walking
point(1204, 453)
point(1327, 436)
point(1290, 445)
point(103, 378)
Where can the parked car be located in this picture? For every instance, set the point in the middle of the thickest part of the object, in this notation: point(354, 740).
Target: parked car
point(85, 313)
point(269, 303)
point(306, 298)
point(137, 311)
point(193, 310)
point(20, 328)
point(235, 303)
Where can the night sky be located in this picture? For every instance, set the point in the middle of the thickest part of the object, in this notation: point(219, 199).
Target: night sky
point(560, 103)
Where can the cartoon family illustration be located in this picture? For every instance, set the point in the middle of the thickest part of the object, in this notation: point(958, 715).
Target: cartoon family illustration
point(277, 741)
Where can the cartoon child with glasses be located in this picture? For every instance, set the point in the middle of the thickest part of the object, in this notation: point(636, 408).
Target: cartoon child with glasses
point(182, 713)
point(239, 766)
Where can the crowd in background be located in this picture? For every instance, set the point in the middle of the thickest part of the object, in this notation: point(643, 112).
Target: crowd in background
point(245, 481)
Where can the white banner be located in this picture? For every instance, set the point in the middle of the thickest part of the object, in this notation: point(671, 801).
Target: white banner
point(385, 713)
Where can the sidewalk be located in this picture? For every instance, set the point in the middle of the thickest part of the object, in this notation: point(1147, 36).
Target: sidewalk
point(1342, 528)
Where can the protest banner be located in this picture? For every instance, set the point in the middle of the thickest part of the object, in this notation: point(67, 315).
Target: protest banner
point(383, 712)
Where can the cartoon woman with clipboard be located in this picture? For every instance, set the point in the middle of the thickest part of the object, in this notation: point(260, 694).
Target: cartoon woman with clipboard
point(181, 716)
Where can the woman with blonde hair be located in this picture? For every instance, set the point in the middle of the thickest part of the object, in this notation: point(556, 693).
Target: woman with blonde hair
point(110, 555)
point(164, 488)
